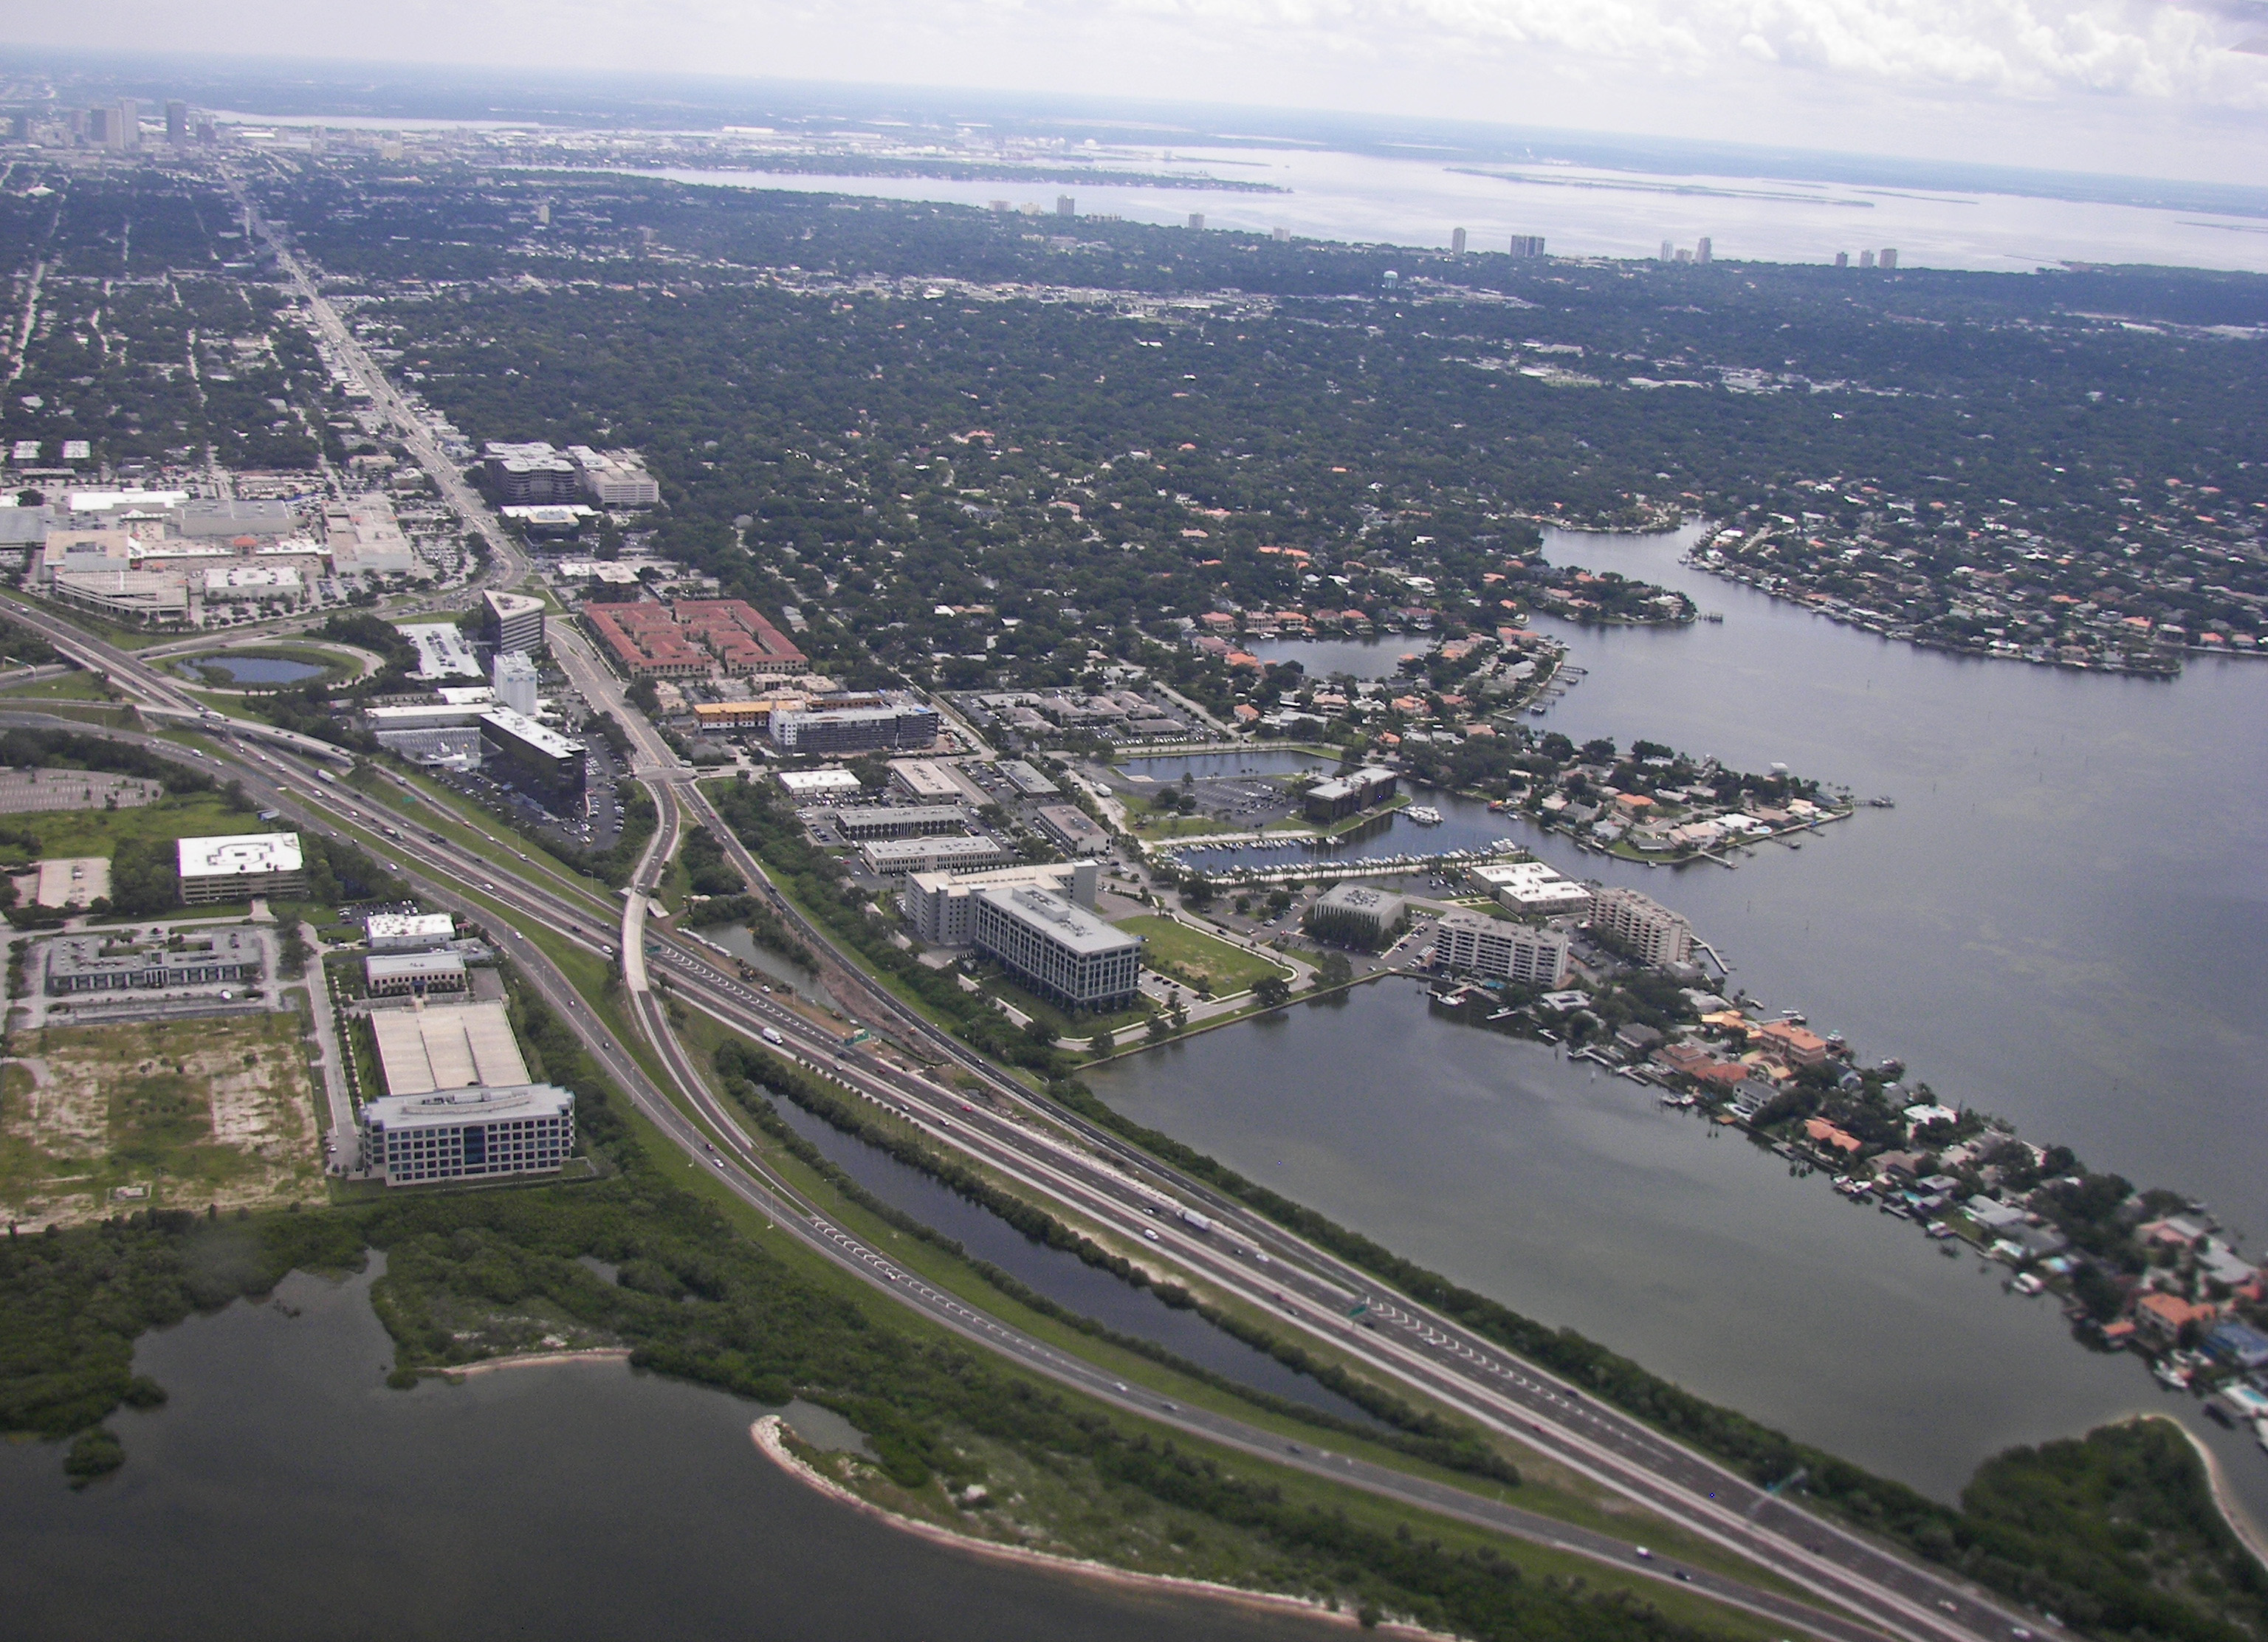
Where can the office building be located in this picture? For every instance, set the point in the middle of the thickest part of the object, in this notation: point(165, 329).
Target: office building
point(412, 973)
point(1062, 951)
point(534, 757)
point(1889, 257)
point(530, 474)
point(1456, 242)
point(443, 651)
point(961, 852)
point(409, 931)
point(911, 821)
point(1347, 795)
point(1480, 944)
point(1027, 779)
point(1073, 829)
point(1196, 220)
point(1529, 887)
point(1064, 207)
point(1528, 245)
point(177, 121)
point(241, 865)
point(1701, 249)
point(253, 584)
point(1842, 259)
point(512, 621)
point(942, 906)
point(515, 677)
point(477, 1133)
point(1865, 259)
point(118, 962)
point(1355, 915)
point(1668, 252)
point(614, 478)
point(828, 732)
point(926, 781)
point(1641, 926)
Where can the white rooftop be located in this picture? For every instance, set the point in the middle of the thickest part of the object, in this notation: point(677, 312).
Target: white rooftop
point(240, 854)
point(479, 1103)
point(411, 926)
point(818, 780)
point(542, 738)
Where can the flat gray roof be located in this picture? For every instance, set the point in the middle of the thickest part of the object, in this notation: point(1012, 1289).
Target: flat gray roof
point(478, 1104)
point(447, 1046)
point(1074, 926)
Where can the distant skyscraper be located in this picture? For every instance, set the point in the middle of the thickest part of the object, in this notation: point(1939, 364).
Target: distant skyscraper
point(208, 135)
point(1000, 206)
point(1196, 220)
point(127, 119)
point(1865, 259)
point(1842, 259)
point(177, 121)
point(1684, 257)
point(1889, 257)
point(1528, 245)
point(1279, 234)
point(1667, 251)
point(1457, 242)
point(1701, 249)
point(99, 121)
point(1064, 206)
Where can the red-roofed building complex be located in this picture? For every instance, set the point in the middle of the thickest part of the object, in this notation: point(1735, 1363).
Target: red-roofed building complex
point(694, 638)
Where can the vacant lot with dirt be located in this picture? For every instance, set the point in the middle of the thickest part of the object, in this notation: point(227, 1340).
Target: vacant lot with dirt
point(94, 1120)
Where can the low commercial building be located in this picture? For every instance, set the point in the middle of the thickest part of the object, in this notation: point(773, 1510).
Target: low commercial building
point(1641, 926)
point(614, 478)
point(894, 858)
point(1073, 829)
point(1347, 795)
point(1530, 887)
point(807, 784)
point(511, 620)
point(118, 963)
point(1503, 951)
point(926, 781)
point(478, 1133)
point(1027, 779)
point(404, 974)
point(255, 583)
point(241, 865)
point(719, 717)
point(409, 931)
point(1062, 951)
point(911, 821)
point(138, 595)
point(541, 758)
point(1356, 915)
point(942, 906)
point(830, 732)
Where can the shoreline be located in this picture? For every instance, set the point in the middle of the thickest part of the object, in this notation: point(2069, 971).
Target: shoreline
point(533, 1360)
point(765, 1433)
point(2232, 1510)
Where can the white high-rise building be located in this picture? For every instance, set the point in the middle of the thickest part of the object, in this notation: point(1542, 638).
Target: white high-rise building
point(1641, 926)
point(1456, 242)
point(513, 674)
point(1668, 252)
point(1500, 949)
point(1701, 249)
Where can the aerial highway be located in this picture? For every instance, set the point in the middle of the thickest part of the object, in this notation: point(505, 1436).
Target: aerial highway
point(1105, 1180)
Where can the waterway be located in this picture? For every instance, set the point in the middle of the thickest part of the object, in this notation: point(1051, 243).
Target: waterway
point(2056, 923)
point(1060, 1275)
point(283, 1492)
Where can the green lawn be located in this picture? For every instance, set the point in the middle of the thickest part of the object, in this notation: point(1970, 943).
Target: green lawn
point(1193, 957)
point(72, 687)
point(99, 832)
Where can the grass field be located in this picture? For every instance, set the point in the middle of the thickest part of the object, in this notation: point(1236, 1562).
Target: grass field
point(99, 832)
point(1194, 958)
point(71, 687)
point(184, 1112)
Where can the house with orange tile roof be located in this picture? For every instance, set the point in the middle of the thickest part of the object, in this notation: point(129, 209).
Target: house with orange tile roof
point(2162, 1316)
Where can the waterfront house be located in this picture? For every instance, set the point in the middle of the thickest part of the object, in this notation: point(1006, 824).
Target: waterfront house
point(2160, 1317)
point(2234, 1342)
point(1799, 1046)
point(1992, 1216)
point(1826, 1136)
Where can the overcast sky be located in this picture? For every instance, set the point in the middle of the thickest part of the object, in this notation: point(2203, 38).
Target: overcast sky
point(2151, 87)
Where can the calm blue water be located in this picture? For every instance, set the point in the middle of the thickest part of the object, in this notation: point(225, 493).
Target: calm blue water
point(241, 670)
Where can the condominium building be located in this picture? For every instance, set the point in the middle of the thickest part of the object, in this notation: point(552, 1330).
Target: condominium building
point(241, 865)
point(474, 1133)
point(1501, 950)
point(1529, 886)
point(1345, 795)
point(1641, 926)
point(942, 906)
point(1062, 951)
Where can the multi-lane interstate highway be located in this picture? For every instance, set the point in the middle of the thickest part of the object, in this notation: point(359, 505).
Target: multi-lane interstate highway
point(1860, 1588)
